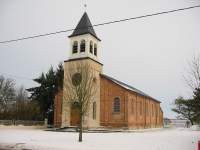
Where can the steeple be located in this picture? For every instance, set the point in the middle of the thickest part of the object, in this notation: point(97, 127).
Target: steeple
point(84, 26)
point(84, 42)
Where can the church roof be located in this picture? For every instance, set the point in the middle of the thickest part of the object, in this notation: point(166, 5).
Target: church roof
point(128, 87)
point(84, 26)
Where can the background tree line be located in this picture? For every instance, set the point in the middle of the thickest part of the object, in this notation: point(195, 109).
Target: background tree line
point(190, 108)
point(16, 104)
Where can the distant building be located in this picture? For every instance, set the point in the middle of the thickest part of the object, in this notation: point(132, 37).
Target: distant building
point(118, 104)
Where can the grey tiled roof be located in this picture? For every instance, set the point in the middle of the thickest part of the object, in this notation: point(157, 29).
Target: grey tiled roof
point(84, 26)
point(128, 87)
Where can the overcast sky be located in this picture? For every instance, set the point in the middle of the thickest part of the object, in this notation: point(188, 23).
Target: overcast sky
point(147, 53)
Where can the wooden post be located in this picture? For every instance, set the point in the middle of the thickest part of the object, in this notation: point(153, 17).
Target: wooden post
point(46, 122)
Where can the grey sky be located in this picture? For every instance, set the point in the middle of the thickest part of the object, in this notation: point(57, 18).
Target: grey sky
point(146, 53)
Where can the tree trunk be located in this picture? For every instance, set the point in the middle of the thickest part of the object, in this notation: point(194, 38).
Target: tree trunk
point(80, 128)
point(191, 121)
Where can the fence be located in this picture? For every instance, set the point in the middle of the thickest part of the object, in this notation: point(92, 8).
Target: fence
point(21, 123)
point(178, 123)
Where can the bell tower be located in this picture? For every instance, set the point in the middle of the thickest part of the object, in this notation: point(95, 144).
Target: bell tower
point(84, 49)
point(84, 42)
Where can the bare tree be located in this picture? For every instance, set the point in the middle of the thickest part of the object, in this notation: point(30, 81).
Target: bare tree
point(21, 94)
point(80, 89)
point(21, 110)
point(192, 81)
point(7, 94)
point(192, 78)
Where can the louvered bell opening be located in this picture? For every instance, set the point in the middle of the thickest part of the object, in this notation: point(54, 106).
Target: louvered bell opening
point(91, 49)
point(75, 49)
point(83, 47)
point(95, 51)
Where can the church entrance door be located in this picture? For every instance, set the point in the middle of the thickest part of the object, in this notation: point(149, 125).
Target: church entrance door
point(74, 119)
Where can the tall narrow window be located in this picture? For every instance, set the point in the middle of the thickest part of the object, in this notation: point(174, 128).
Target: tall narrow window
point(75, 47)
point(156, 111)
point(147, 109)
point(116, 105)
point(91, 47)
point(140, 108)
point(132, 106)
point(94, 110)
point(152, 111)
point(95, 49)
point(83, 46)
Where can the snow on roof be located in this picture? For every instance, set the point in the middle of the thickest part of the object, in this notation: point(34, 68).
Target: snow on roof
point(128, 87)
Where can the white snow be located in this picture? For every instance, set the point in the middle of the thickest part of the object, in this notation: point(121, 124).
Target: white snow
point(147, 139)
point(195, 127)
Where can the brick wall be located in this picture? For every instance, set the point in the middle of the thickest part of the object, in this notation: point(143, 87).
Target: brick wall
point(109, 91)
point(58, 109)
point(148, 117)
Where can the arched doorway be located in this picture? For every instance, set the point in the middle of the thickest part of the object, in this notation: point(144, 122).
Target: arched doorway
point(74, 119)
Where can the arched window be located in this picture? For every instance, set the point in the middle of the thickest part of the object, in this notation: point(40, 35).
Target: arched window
point(75, 47)
point(83, 46)
point(91, 47)
point(132, 106)
point(94, 110)
point(95, 49)
point(116, 105)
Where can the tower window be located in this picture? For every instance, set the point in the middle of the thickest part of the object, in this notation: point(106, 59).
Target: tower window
point(94, 110)
point(75, 47)
point(83, 46)
point(95, 49)
point(91, 47)
point(116, 105)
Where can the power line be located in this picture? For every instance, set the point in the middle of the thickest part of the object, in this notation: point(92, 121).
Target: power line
point(165, 12)
point(94, 26)
point(16, 76)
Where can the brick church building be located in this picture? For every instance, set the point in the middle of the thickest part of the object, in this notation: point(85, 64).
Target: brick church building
point(118, 105)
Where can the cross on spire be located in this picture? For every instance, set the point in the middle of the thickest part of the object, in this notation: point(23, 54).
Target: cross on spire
point(85, 7)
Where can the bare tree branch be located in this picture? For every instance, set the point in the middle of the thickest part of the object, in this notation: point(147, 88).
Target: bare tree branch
point(192, 78)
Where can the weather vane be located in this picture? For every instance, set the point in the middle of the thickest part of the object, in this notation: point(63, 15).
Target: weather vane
point(85, 7)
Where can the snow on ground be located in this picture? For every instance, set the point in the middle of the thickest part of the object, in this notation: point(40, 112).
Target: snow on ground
point(147, 139)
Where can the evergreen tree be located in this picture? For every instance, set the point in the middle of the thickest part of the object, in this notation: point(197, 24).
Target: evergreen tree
point(50, 83)
point(196, 104)
point(60, 75)
point(184, 109)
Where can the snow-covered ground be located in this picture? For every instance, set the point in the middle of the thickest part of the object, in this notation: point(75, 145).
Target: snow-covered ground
point(148, 139)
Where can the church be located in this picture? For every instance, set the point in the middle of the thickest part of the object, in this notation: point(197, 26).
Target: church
point(117, 105)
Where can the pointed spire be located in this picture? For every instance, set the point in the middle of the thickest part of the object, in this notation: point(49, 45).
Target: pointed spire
point(84, 26)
